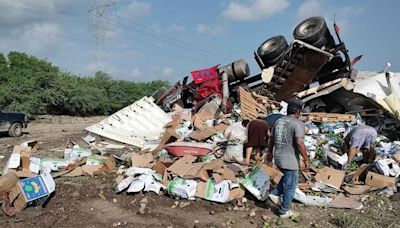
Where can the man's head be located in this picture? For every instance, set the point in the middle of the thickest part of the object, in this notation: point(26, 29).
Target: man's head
point(295, 107)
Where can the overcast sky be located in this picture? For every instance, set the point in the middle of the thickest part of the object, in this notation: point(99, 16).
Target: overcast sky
point(166, 39)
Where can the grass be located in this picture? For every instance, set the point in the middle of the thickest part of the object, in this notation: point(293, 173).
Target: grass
point(345, 221)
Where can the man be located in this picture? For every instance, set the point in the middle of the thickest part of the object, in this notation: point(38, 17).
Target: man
point(257, 139)
point(361, 138)
point(286, 143)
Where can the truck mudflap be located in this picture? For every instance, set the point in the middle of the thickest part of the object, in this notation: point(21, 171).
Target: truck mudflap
point(298, 67)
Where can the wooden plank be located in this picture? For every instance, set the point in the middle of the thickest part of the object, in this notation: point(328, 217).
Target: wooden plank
point(249, 106)
point(327, 117)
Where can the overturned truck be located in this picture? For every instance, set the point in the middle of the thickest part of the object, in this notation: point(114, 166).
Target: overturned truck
point(313, 59)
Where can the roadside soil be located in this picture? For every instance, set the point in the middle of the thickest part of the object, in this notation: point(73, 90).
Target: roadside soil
point(91, 202)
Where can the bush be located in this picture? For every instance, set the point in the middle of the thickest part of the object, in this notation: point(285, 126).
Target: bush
point(36, 87)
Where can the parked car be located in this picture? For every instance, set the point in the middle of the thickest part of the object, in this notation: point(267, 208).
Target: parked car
point(13, 123)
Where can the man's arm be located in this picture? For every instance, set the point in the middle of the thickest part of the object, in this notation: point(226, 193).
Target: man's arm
point(303, 151)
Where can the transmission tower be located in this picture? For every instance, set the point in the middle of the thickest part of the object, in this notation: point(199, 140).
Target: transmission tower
point(99, 22)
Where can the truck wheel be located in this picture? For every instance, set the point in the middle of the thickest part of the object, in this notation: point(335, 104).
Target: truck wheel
point(320, 43)
point(310, 30)
point(15, 130)
point(325, 40)
point(237, 70)
point(272, 48)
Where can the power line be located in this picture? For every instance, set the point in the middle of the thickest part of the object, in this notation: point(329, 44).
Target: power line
point(150, 33)
point(134, 38)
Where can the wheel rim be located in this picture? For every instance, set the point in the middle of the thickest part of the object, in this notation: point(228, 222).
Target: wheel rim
point(18, 130)
point(307, 28)
point(269, 44)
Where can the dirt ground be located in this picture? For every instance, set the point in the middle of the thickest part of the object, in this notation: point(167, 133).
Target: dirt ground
point(91, 202)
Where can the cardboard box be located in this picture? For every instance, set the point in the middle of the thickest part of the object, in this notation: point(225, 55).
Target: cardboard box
point(257, 182)
point(32, 191)
point(330, 177)
point(185, 189)
point(213, 191)
point(34, 165)
point(273, 173)
point(378, 180)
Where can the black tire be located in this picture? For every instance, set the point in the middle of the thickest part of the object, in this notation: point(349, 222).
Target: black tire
point(273, 62)
point(325, 40)
point(320, 43)
point(272, 48)
point(310, 30)
point(15, 130)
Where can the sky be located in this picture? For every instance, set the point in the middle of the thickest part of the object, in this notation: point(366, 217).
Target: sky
point(144, 40)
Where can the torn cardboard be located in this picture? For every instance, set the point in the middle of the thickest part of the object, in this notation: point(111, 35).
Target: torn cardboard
point(378, 180)
point(350, 202)
point(224, 173)
point(205, 133)
point(360, 173)
point(182, 166)
point(7, 182)
point(142, 160)
point(331, 177)
point(169, 136)
point(358, 189)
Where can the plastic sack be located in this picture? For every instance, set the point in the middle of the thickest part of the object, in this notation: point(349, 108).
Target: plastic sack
point(388, 167)
point(236, 135)
point(236, 132)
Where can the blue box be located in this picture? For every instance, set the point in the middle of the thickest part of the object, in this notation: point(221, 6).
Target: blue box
point(33, 188)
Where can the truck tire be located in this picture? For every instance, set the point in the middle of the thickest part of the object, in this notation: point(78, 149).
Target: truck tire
point(273, 62)
point(15, 130)
point(272, 48)
point(320, 43)
point(237, 70)
point(325, 40)
point(311, 30)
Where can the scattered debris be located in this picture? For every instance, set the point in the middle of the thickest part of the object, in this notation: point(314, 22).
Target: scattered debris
point(188, 142)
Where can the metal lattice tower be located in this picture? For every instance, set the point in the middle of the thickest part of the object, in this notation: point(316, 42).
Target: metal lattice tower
point(99, 18)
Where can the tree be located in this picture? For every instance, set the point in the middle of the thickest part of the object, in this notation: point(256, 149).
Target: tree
point(36, 87)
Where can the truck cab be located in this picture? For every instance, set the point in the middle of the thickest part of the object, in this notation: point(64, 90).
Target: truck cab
point(12, 123)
